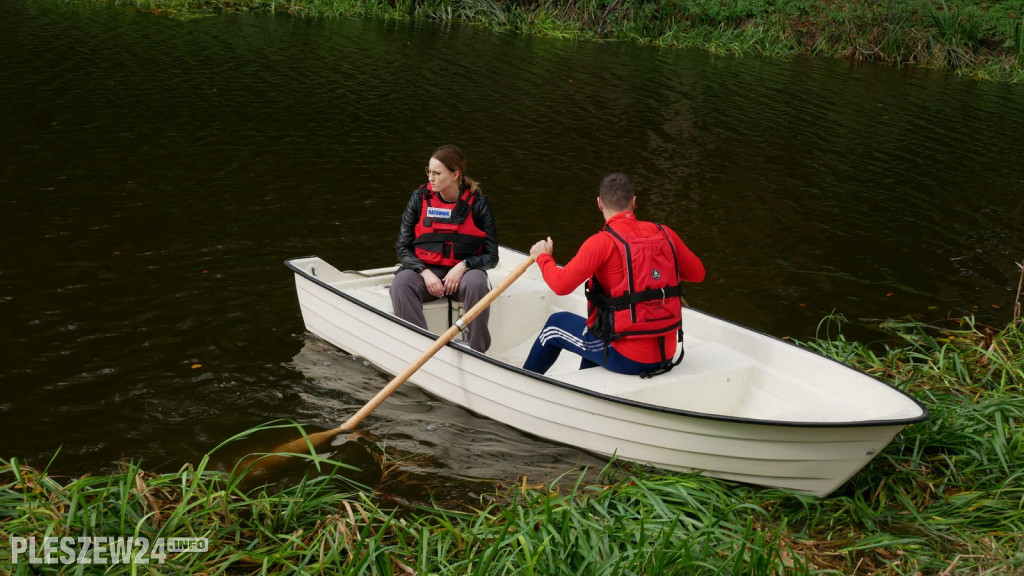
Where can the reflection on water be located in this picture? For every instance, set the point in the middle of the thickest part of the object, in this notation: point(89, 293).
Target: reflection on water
point(157, 172)
point(460, 443)
point(426, 441)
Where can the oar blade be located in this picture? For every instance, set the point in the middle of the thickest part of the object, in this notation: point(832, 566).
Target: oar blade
point(258, 464)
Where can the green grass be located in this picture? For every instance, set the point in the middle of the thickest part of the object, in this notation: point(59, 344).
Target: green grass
point(950, 490)
point(974, 38)
point(945, 497)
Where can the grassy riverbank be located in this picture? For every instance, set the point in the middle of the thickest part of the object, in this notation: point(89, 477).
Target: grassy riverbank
point(976, 38)
point(945, 497)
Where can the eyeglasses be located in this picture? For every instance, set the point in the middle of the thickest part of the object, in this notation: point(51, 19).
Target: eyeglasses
point(432, 173)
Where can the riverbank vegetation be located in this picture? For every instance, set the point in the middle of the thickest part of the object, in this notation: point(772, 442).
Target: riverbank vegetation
point(975, 38)
point(944, 497)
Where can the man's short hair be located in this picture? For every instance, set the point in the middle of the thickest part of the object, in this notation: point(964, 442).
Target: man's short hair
point(617, 192)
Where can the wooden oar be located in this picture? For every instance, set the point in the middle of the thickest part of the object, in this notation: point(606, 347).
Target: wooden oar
point(312, 441)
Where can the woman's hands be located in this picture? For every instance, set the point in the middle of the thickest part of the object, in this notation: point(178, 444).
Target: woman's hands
point(438, 287)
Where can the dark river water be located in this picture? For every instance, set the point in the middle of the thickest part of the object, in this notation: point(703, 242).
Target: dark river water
point(156, 172)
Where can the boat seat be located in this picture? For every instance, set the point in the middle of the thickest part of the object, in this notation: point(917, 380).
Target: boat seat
point(436, 313)
point(378, 294)
point(711, 379)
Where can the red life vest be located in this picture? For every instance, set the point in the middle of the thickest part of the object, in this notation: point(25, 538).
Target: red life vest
point(445, 233)
point(647, 302)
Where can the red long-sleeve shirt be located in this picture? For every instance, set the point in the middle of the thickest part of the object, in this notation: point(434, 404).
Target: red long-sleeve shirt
point(599, 256)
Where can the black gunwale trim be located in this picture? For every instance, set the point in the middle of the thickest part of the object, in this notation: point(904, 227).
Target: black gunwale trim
point(642, 405)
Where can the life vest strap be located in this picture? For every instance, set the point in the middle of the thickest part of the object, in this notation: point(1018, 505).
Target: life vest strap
point(629, 299)
point(666, 364)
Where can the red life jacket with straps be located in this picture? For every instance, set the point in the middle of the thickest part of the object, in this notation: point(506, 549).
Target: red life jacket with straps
point(446, 233)
point(647, 302)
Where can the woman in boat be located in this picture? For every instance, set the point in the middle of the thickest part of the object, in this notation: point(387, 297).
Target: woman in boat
point(633, 270)
point(447, 241)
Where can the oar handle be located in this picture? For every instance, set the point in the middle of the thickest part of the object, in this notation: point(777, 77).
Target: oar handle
point(427, 354)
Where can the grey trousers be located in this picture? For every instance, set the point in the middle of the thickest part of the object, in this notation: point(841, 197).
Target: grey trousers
point(409, 292)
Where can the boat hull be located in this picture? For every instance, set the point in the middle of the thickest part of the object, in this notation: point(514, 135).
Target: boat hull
point(589, 410)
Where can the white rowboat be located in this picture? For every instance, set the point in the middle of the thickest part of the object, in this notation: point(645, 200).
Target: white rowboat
point(741, 406)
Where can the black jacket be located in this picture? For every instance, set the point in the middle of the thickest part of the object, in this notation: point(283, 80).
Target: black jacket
point(482, 216)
